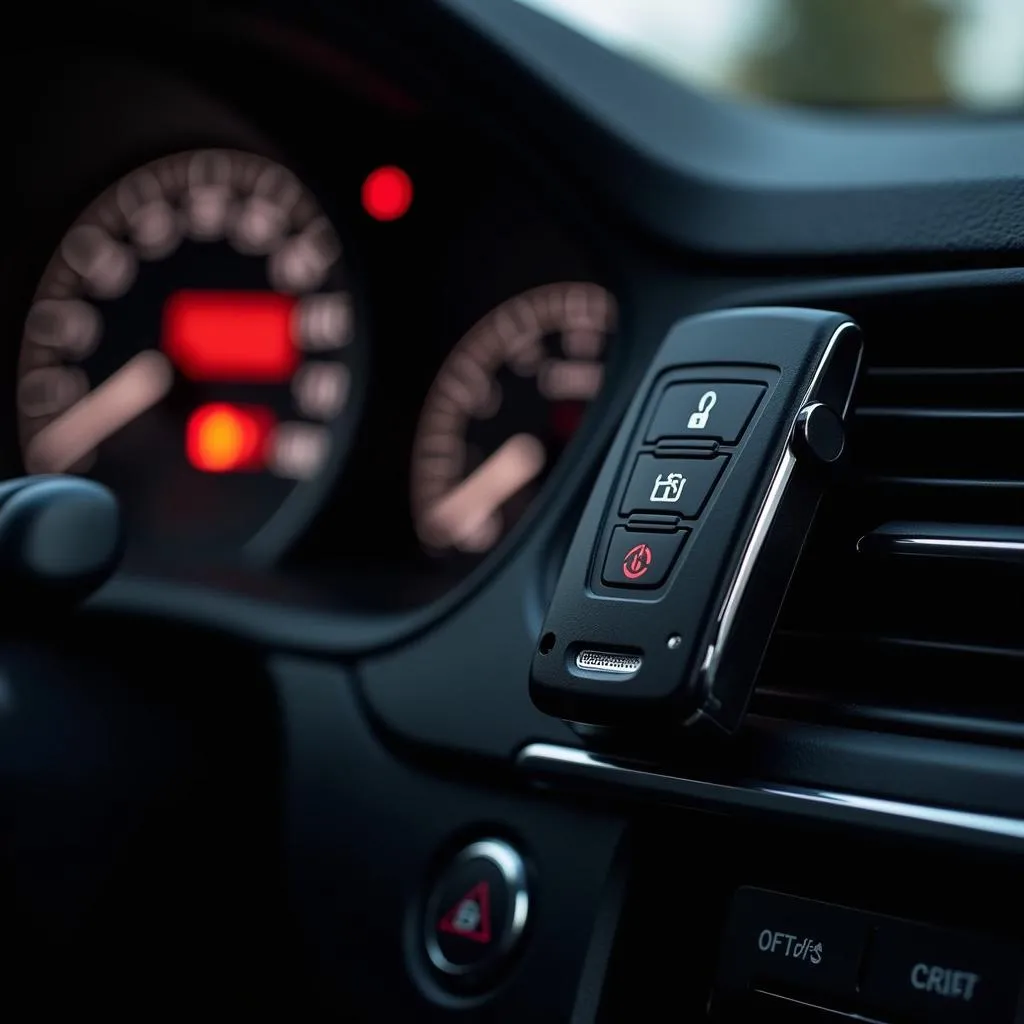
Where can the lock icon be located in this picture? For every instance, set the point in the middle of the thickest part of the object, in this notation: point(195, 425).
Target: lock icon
point(699, 419)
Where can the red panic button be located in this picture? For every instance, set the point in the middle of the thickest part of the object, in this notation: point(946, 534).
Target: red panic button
point(231, 336)
point(640, 559)
point(223, 438)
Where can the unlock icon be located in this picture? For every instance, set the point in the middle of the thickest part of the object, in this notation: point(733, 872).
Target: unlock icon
point(699, 419)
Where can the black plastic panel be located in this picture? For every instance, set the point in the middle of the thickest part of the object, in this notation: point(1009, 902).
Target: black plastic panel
point(139, 823)
point(961, 893)
point(366, 834)
point(737, 180)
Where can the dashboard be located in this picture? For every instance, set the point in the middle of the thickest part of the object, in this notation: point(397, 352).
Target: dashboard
point(390, 271)
point(349, 306)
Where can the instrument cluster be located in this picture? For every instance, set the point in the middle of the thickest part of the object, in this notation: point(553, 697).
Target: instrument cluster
point(354, 357)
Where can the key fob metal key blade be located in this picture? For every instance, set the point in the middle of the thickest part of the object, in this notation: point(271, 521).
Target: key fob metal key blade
point(683, 555)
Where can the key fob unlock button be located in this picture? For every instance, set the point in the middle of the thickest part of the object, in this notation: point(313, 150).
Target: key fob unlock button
point(693, 411)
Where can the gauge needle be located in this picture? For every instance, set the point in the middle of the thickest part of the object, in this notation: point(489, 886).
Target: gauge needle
point(125, 395)
point(463, 510)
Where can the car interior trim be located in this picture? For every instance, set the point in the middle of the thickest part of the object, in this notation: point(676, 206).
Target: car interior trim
point(947, 540)
point(766, 516)
point(550, 764)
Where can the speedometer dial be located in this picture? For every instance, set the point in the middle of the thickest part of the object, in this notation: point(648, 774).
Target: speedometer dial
point(504, 405)
point(190, 345)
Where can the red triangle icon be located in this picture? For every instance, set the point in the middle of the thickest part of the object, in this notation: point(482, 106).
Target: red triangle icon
point(470, 918)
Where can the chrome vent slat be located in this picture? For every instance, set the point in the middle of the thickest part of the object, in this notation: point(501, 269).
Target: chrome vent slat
point(925, 413)
point(936, 646)
point(962, 541)
point(1007, 657)
point(959, 483)
point(944, 371)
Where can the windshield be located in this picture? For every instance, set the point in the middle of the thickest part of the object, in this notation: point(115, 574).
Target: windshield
point(859, 53)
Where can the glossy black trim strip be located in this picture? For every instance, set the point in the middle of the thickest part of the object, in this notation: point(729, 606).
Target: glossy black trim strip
point(947, 540)
point(548, 764)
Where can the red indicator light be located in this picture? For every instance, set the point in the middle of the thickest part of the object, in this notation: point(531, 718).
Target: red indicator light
point(223, 438)
point(238, 336)
point(387, 193)
point(637, 561)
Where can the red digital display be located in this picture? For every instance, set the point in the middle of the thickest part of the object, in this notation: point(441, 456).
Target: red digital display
point(231, 336)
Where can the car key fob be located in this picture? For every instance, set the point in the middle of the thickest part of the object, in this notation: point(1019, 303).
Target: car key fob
point(686, 548)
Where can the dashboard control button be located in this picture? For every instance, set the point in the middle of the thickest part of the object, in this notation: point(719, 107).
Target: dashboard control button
point(679, 486)
point(640, 559)
point(705, 410)
point(802, 944)
point(476, 913)
point(942, 976)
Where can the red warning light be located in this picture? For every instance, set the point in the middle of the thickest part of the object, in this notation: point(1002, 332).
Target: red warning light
point(637, 561)
point(470, 918)
point(223, 438)
point(238, 336)
point(387, 193)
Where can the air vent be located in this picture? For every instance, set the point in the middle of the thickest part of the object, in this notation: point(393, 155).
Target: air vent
point(907, 610)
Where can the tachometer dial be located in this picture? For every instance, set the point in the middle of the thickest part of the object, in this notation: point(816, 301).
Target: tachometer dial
point(504, 405)
point(191, 345)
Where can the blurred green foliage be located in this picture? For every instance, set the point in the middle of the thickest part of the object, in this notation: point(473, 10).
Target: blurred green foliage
point(852, 53)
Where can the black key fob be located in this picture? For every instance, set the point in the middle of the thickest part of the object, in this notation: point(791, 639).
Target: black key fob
point(675, 577)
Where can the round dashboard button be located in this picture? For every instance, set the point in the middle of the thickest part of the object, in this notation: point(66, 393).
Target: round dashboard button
point(476, 913)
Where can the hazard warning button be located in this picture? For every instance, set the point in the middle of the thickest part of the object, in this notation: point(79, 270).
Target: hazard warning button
point(477, 912)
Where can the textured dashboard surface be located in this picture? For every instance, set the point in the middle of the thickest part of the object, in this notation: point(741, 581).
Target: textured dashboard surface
point(730, 179)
